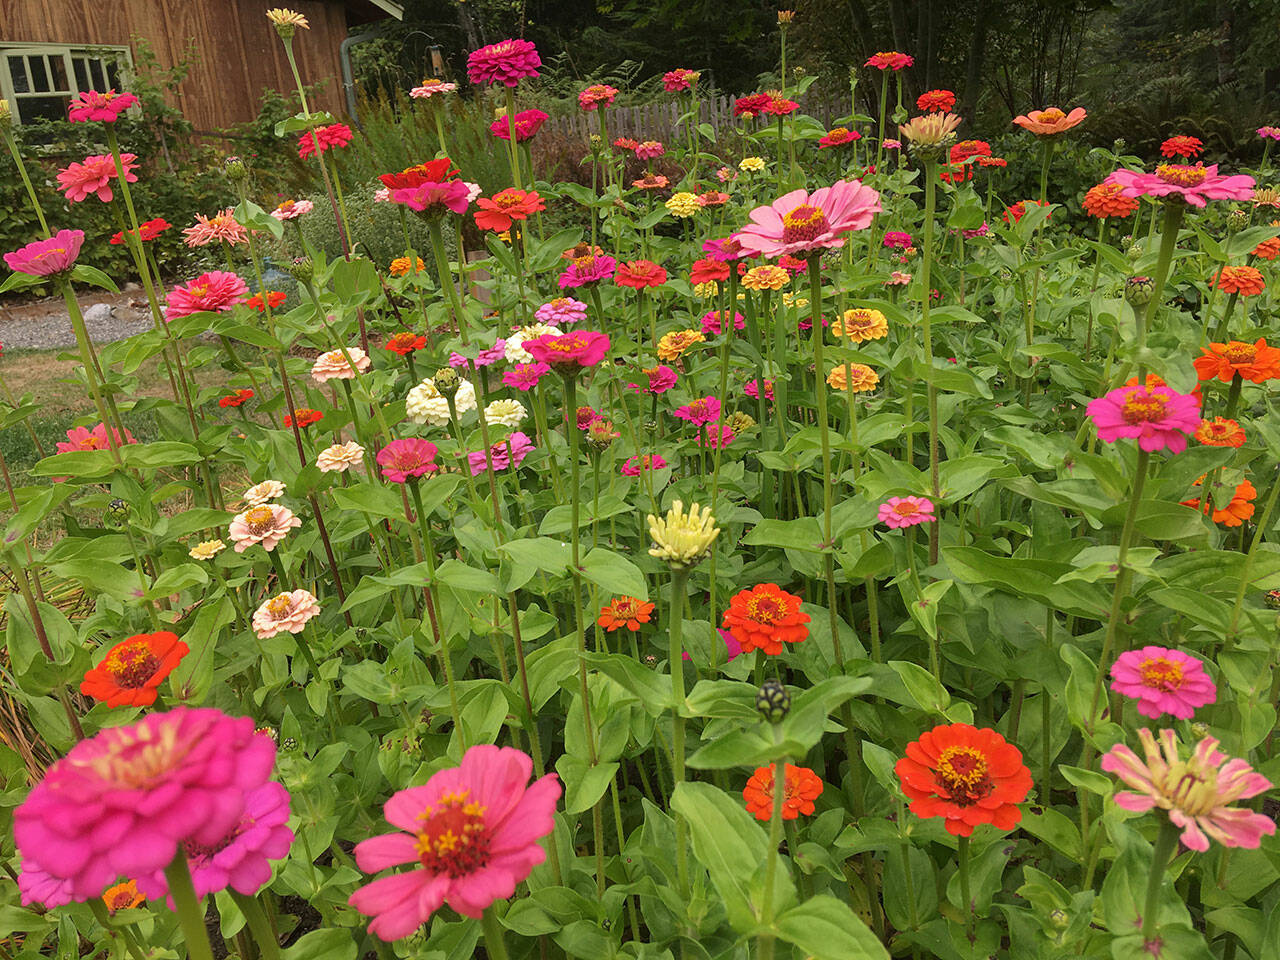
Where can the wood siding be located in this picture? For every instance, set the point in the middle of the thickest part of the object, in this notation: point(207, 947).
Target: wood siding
point(238, 52)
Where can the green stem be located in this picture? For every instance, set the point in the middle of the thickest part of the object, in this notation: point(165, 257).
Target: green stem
point(512, 147)
point(675, 658)
point(1173, 211)
point(188, 908)
point(446, 276)
point(12, 144)
point(966, 900)
point(1166, 847)
point(495, 945)
point(267, 943)
point(930, 203)
point(766, 939)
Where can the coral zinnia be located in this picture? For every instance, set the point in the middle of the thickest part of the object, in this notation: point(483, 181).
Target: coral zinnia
point(899, 512)
point(889, 60)
point(1163, 681)
point(1157, 417)
point(936, 101)
point(104, 107)
point(1050, 121)
point(303, 417)
point(407, 459)
point(802, 787)
point(471, 833)
point(1194, 184)
point(1220, 432)
point(765, 617)
point(239, 398)
point(506, 62)
point(274, 299)
point(216, 291)
point(220, 228)
point(78, 181)
point(323, 138)
point(679, 79)
point(400, 266)
point(1268, 249)
point(152, 229)
point(1197, 792)
point(132, 670)
point(1245, 281)
point(596, 96)
point(1238, 509)
point(123, 896)
point(638, 274)
point(41, 258)
point(626, 612)
point(566, 353)
point(838, 137)
point(505, 207)
point(526, 122)
point(1182, 146)
point(1108, 200)
point(1255, 361)
point(966, 775)
point(802, 223)
point(708, 269)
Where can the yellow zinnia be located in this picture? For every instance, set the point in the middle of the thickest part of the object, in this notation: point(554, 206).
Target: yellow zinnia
point(857, 377)
point(860, 325)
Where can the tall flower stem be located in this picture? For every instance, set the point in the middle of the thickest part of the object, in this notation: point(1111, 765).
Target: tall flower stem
point(884, 103)
point(12, 144)
point(513, 150)
point(675, 657)
point(766, 939)
point(264, 937)
point(188, 907)
point(1173, 211)
point(692, 128)
point(1093, 285)
point(494, 944)
point(930, 205)
point(966, 905)
point(446, 276)
point(820, 393)
point(90, 365)
point(1166, 847)
point(1260, 527)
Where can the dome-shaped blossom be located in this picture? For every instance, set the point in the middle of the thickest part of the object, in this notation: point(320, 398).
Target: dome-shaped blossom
point(936, 101)
point(506, 62)
point(1163, 681)
point(323, 138)
point(1108, 200)
point(285, 612)
point(102, 107)
point(92, 177)
point(340, 457)
point(1220, 432)
point(267, 524)
point(334, 365)
point(471, 833)
point(513, 346)
point(639, 274)
point(764, 617)
point(264, 492)
point(407, 459)
point(562, 312)
point(800, 222)
point(649, 150)
point(1182, 146)
point(292, 209)
point(801, 787)
point(526, 122)
point(121, 802)
point(860, 324)
point(838, 137)
point(217, 291)
point(1243, 281)
point(679, 79)
point(1051, 120)
point(1194, 184)
point(708, 270)
point(569, 352)
point(712, 325)
point(81, 438)
point(42, 258)
point(854, 377)
point(504, 413)
point(431, 87)
point(425, 404)
point(596, 96)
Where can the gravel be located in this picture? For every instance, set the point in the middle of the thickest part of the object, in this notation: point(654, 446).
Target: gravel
point(46, 325)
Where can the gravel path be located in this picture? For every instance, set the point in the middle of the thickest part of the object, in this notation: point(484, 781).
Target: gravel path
point(45, 324)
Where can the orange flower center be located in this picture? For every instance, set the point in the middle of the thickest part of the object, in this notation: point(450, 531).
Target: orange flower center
point(198, 291)
point(962, 772)
point(279, 606)
point(906, 509)
point(839, 133)
point(509, 198)
point(1182, 174)
point(1238, 354)
point(1143, 406)
point(768, 608)
point(805, 222)
point(1161, 674)
point(454, 838)
point(259, 519)
point(626, 608)
point(1052, 115)
point(132, 664)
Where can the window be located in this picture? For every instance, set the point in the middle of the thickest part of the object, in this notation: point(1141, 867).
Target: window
point(39, 79)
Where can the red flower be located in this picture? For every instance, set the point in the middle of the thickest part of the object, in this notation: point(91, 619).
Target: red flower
point(838, 137)
point(803, 786)
point(274, 299)
point(959, 171)
point(625, 612)
point(764, 618)
point(639, 274)
point(147, 231)
point(1220, 432)
point(1245, 281)
point(778, 105)
point(323, 138)
point(936, 101)
point(505, 207)
point(966, 776)
point(304, 416)
point(625, 143)
point(891, 60)
point(405, 343)
point(130, 672)
point(750, 106)
point(433, 171)
point(527, 123)
point(236, 399)
point(708, 269)
point(1182, 146)
point(1014, 213)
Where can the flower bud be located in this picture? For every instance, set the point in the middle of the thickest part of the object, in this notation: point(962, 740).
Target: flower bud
point(600, 434)
point(301, 269)
point(1059, 920)
point(447, 381)
point(773, 702)
point(117, 513)
point(1273, 599)
point(1138, 291)
point(1199, 730)
point(1118, 145)
point(1237, 220)
point(6, 114)
point(786, 17)
point(651, 426)
point(235, 169)
point(288, 744)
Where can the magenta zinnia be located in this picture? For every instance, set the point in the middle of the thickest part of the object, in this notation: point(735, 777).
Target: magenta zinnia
point(216, 291)
point(44, 257)
point(506, 62)
point(407, 459)
point(79, 181)
point(1155, 416)
point(105, 107)
point(1163, 681)
point(567, 352)
point(801, 223)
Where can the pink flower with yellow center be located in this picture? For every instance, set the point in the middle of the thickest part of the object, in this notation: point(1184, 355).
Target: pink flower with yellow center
point(220, 228)
point(292, 209)
point(568, 352)
point(1156, 416)
point(103, 107)
point(1051, 121)
point(899, 512)
point(1195, 184)
point(45, 257)
point(635, 465)
point(216, 291)
point(267, 524)
point(1163, 681)
point(80, 438)
point(596, 96)
point(334, 365)
point(562, 311)
point(407, 459)
point(79, 181)
point(801, 223)
point(288, 611)
point(700, 411)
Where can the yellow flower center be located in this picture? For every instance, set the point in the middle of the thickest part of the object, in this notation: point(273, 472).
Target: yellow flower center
point(1144, 406)
point(132, 664)
point(803, 223)
point(454, 838)
point(509, 198)
point(1189, 789)
point(199, 291)
point(1238, 354)
point(134, 758)
point(279, 606)
point(1161, 674)
point(962, 772)
point(1052, 115)
point(1182, 174)
point(259, 519)
point(626, 608)
point(768, 608)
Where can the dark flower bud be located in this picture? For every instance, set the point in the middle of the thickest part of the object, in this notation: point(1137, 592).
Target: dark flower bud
point(117, 513)
point(1138, 291)
point(447, 381)
point(773, 702)
point(302, 269)
point(235, 169)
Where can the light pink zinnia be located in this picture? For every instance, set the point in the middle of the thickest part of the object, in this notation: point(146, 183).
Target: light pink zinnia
point(434, 198)
point(589, 269)
point(700, 411)
point(220, 228)
point(1156, 417)
point(217, 291)
point(504, 453)
point(1196, 792)
point(407, 459)
point(44, 257)
point(285, 611)
point(562, 311)
point(650, 461)
point(267, 524)
point(293, 209)
point(121, 801)
point(429, 88)
point(103, 107)
point(800, 222)
point(1163, 681)
point(1194, 184)
point(80, 180)
point(333, 365)
point(471, 833)
point(242, 859)
point(899, 512)
point(506, 62)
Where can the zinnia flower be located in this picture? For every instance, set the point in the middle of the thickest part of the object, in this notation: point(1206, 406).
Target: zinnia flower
point(889, 60)
point(503, 454)
point(682, 538)
point(504, 413)
point(802, 787)
point(292, 210)
point(303, 417)
point(263, 492)
point(1237, 510)
point(527, 123)
point(1269, 133)
point(405, 343)
point(711, 322)
point(430, 87)
point(561, 311)
point(899, 512)
point(1051, 120)
point(860, 324)
point(625, 612)
point(78, 438)
point(206, 549)
point(433, 199)
point(525, 376)
point(217, 291)
point(766, 277)
point(698, 412)
point(180, 776)
point(1162, 681)
point(930, 130)
point(596, 96)
point(148, 230)
point(966, 775)
point(651, 181)
point(401, 266)
point(649, 150)
point(267, 524)
point(800, 222)
point(936, 101)
point(320, 139)
point(679, 79)
point(506, 62)
point(838, 137)
point(132, 670)
point(1220, 432)
point(764, 617)
point(639, 274)
point(1268, 249)
point(751, 164)
point(78, 181)
point(274, 299)
point(1255, 361)
point(1245, 281)
point(102, 107)
point(1157, 417)
point(671, 346)
point(407, 459)
point(340, 457)
point(566, 353)
point(635, 465)
point(1182, 146)
point(220, 228)
point(286, 20)
point(1015, 213)
point(123, 896)
point(683, 205)
point(42, 258)
point(287, 611)
point(857, 377)
point(471, 833)
point(1194, 184)
point(1108, 200)
point(587, 269)
point(708, 270)
point(752, 389)
point(334, 365)
point(506, 207)
point(1197, 792)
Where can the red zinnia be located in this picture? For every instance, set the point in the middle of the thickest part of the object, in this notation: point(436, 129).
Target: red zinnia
point(802, 787)
point(130, 672)
point(750, 106)
point(958, 171)
point(323, 138)
point(639, 274)
point(236, 399)
point(505, 207)
point(405, 343)
point(967, 776)
point(838, 137)
point(936, 101)
point(708, 269)
point(147, 231)
point(1181, 146)
point(433, 171)
point(274, 299)
point(304, 416)
point(1015, 212)
point(764, 618)
point(890, 60)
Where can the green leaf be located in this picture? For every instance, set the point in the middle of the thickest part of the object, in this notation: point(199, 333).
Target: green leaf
point(84, 273)
point(331, 943)
point(583, 783)
point(193, 676)
point(302, 121)
point(614, 574)
point(21, 281)
point(1090, 780)
point(928, 694)
point(460, 576)
point(827, 929)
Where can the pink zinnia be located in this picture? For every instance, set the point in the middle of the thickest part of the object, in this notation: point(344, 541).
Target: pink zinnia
point(78, 181)
point(287, 611)
point(407, 459)
point(899, 512)
point(1156, 417)
point(898, 279)
point(293, 209)
point(752, 389)
point(567, 352)
point(216, 291)
point(562, 311)
point(661, 379)
point(700, 411)
point(711, 322)
point(267, 524)
point(1194, 184)
point(506, 62)
point(323, 138)
point(525, 376)
point(78, 438)
point(121, 802)
point(679, 79)
point(649, 150)
point(220, 228)
point(596, 96)
point(104, 107)
point(527, 123)
point(714, 436)
point(38, 886)
point(726, 250)
point(503, 454)
point(471, 833)
point(434, 198)
point(44, 257)
point(242, 859)
point(732, 647)
point(800, 222)
point(1196, 792)
point(897, 239)
point(1163, 681)
point(589, 269)
point(650, 461)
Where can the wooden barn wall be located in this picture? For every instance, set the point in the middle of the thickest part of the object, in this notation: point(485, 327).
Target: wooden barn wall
point(239, 53)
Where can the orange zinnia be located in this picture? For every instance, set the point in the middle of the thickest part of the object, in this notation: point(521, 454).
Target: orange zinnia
point(1267, 249)
point(966, 775)
point(123, 896)
point(1108, 200)
point(1051, 120)
point(625, 612)
point(1252, 361)
point(1234, 513)
point(1220, 432)
point(803, 786)
point(132, 669)
point(1246, 281)
point(764, 618)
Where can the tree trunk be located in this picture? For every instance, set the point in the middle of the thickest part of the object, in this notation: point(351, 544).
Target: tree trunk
point(1225, 45)
point(977, 60)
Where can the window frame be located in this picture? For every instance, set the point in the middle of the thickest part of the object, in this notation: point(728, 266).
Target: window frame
point(68, 53)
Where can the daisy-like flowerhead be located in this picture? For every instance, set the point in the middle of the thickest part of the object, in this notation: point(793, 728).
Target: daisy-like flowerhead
point(147, 230)
point(471, 834)
point(596, 96)
point(292, 210)
point(43, 258)
point(93, 176)
point(899, 512)
point(407, 459)
point(679, 79)
point(502, 455)
point(286, 21)
point(683, 205)
point(1108, 200)
point(102, 107)
point(927, 135)
point(936, 101)
point(561, 312)
point(765, 617)
point(671, 346)
point(340, 365)
point(624, 613)
point(507, 207)
point(206, 549)
point(220, 228)
point(425, 404)
point(682, 538)
point(1243, 281)
point(132, 670)
point(405, 343)
point(1220, 432)
point(506, 62)
point(1182, 146)
point(273, 299)
point(638, 274)
point(1198, 793)
point(1235, 511)
point(569, 353)
point(525, 376)
point(284, 613)
point(802, 223)
point(216, 291)
point(1193, 184)
point(267, 524)
point(860, 324)
point(587, 268)
point(526, 122)
point(1156, 416)
point(1163, 681)
point(1050, 121)
point(965, 775)
point(766, 277)
point(123, 896)
point(889, 60)
point(855, 377)
point(340, 457)
point(81, 438)
point(263, 492)
point(1256, 362)
point(432, 87)
point(505, 413)
point(713, 323)
point(700, 411)
point(838, 137)
point(322, 139)
point(634, 466)
point(801, 788)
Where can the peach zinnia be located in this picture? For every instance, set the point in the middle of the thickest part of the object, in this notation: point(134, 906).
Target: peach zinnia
point(1050, 121)
point(857, 377)
point(285, 611)
point(338, 365)
point(764, 618)
point(1245, 281)
point(1255, 361)
point(266, 524)
point(132, 670)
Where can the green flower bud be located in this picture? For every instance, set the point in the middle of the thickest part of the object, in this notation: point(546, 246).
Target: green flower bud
point(447, 381)
point(117, 513)
point(235, 169)
point(773, 702)
point(1138, 291)
point(302, 269)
